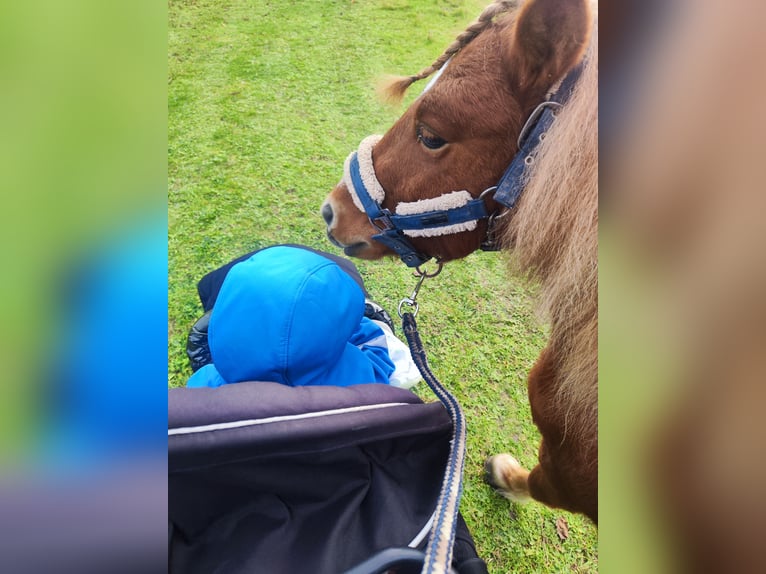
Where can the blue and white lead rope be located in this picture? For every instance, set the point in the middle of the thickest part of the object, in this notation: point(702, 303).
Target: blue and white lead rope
point(438, 554)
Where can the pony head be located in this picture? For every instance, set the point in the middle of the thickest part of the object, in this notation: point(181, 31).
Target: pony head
point(452, 145)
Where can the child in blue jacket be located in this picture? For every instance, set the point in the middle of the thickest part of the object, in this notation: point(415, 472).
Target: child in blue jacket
point(289, 315)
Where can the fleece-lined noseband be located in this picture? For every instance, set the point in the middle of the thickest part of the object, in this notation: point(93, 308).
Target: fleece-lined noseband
point(455, 211)
point(447, 214)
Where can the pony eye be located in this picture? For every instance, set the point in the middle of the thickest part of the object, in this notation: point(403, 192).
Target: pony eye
point(429, 139)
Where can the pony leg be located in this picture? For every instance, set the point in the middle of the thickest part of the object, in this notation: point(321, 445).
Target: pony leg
point(509, 479)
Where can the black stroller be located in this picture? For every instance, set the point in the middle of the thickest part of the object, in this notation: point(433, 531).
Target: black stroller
point(267, 478)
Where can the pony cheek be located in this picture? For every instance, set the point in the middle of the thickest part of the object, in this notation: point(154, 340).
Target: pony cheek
point(370, 251)
point(449, 248)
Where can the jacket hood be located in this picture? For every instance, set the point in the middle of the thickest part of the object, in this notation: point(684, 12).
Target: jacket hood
point(286, 315)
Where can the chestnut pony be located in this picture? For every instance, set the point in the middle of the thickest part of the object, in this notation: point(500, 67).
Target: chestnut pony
point(459, 136)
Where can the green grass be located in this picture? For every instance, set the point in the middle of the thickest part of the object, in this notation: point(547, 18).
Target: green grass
point(265, 100)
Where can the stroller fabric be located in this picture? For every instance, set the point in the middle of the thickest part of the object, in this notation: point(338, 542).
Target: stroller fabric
point(289, 480)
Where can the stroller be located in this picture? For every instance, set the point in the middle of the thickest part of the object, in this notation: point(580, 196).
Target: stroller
point(267, 478)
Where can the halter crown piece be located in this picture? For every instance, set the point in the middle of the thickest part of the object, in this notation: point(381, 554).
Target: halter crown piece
point(514, 179)
point(454, 211)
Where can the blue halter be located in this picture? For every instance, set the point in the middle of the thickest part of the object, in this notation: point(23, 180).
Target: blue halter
point(506, 192)
point(392, 226)
point(514, 179)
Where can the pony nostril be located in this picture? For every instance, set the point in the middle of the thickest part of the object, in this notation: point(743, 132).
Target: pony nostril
point(327, 213)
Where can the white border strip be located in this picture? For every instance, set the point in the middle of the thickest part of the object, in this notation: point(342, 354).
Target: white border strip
point(279, 419)
point(423, 533)
point(436, 76)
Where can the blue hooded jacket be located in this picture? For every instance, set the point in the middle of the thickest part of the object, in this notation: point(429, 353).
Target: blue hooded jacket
point(290, 316)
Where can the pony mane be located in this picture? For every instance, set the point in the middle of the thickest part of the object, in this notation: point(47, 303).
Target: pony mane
point(554, 240)
point(393, 88)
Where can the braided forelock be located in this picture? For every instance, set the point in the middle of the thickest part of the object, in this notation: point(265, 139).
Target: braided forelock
point(394, 88)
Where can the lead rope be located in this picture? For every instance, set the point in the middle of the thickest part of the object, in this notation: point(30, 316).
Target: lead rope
point(438, 554)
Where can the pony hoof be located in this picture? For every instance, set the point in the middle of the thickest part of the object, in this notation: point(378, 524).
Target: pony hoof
point(507, 477)
point(489, 475)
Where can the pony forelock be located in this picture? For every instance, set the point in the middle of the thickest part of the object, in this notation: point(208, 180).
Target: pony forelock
point(391, 89)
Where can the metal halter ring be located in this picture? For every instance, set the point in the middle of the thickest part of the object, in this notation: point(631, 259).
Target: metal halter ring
point(533, 117)
point(487, 191)
point(420, 273)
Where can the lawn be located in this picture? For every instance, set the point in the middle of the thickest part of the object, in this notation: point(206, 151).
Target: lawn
point(265, 100)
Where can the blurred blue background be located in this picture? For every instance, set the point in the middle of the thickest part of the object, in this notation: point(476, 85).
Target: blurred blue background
point(83, 252)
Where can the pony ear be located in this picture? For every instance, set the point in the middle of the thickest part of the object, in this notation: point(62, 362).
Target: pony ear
point(549, 38)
